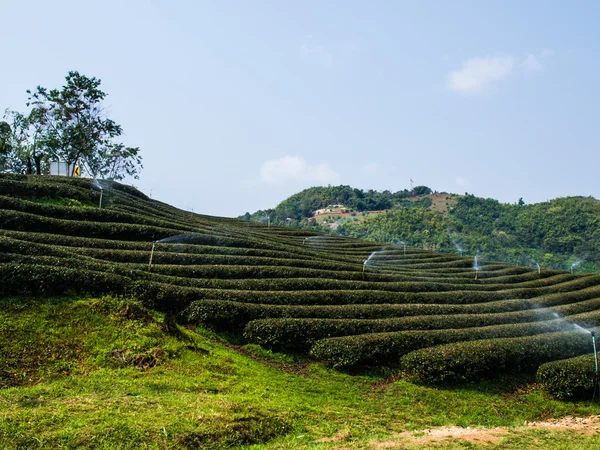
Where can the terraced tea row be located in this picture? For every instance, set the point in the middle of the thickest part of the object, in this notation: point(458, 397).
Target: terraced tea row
point(344, 301)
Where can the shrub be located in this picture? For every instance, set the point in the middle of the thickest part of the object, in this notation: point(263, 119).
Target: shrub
point(30, 279)
point(470, 361)
point(387, 348)
point(299, 334)
point(571, 378)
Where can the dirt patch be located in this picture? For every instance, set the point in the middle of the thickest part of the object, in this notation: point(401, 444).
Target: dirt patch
point(581, 425)
point(472, 435)
point(442, 202)
point(342, 436)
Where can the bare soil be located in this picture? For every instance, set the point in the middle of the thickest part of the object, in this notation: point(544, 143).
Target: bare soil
point(581, 425)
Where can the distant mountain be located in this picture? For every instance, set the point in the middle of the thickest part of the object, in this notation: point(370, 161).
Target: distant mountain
point(557, 234)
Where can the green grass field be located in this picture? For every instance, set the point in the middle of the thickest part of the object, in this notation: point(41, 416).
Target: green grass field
point(106, 373)
point(240, 334)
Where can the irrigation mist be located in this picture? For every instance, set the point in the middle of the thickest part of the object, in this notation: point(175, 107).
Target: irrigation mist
point(575, 264)
point(397, 242)
point(476, 266)
point(151, 256)
point(186, 238)
point(569, 326)
point(97, 184)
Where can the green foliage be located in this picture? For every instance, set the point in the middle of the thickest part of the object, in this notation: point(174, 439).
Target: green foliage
point(468, 361)
point(387, 348)
point(571, 378)
point(302, 205)
point(299, 334)
point(289, 289)
point(554, 234)
point(203, 394)
point(68, 125)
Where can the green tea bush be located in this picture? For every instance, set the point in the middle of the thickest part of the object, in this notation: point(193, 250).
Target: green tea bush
point(301, 333)
point(571, 378)
point(30, 279)
point(471, 361)
point(387, 348)
point(38, 189)
point(19, 221)
point(82, 214)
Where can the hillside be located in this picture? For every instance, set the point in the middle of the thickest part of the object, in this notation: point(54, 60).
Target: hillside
point(561, 234)
point(138, 324)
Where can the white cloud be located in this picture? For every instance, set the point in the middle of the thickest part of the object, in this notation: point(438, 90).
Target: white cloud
point(478, 73)
point(534, 63)
point(310, 47)
point(461, 181)
point(295, 168)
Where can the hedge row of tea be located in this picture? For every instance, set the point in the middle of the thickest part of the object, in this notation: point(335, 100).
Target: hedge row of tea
point(347, 302)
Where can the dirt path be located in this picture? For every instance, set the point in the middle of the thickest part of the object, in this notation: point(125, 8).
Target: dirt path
point(581, 425)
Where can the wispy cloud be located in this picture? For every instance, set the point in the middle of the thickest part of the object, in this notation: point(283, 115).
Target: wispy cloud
point(295, 168)
point(478, 74)
point(312, 48)
point(535, 63)
point(532, 64)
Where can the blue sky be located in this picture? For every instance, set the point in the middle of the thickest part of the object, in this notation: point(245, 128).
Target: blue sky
point(238, 104)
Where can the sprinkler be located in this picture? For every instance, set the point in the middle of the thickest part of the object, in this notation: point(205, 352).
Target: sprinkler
point(151, 256)
point(596, 362)
point(364, 267)
point(402, 243)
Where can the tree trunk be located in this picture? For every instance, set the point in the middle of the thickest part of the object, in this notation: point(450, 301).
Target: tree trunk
point(38, 164)
point(29, 166)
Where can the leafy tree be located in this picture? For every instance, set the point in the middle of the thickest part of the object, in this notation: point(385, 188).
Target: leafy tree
point(113, 162)
point(76, 129)
point(21, 143)
point(422, 190)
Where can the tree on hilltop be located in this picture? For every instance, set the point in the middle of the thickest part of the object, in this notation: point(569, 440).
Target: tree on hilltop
point(70, 125)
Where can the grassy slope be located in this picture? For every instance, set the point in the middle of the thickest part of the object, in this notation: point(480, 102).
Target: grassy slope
point(80, 382)
point(80, 372)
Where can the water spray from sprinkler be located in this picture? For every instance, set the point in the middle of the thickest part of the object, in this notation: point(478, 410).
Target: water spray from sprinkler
point(575, 264)
point(101, 192)
point(539, 269)
point(476, 267)
point(151, 256)
point(404, 245)
point(596, 362)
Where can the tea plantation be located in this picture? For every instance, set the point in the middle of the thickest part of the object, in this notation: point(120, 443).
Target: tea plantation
point(348, 303)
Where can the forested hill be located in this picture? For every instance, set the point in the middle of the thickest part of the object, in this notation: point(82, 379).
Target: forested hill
point(556, 234)
point(303, 204)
